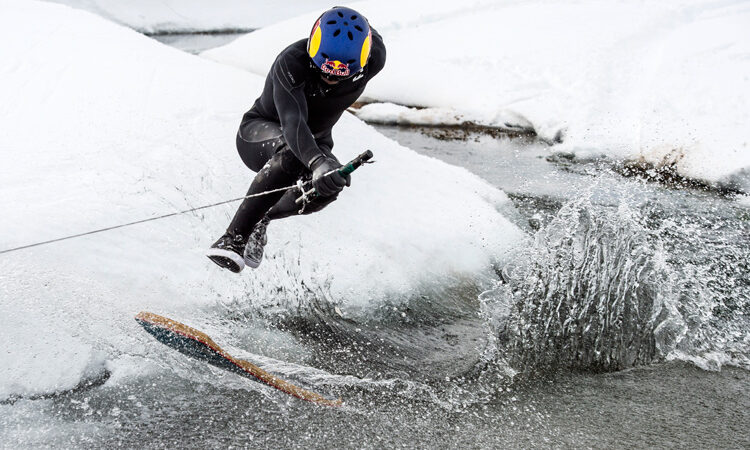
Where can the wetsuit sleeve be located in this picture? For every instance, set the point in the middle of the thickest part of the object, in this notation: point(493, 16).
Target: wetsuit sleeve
point(325, 143)
point(377, 57)
point(291, 106)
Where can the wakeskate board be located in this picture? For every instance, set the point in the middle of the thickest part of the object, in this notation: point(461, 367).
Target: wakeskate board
point(198, 345)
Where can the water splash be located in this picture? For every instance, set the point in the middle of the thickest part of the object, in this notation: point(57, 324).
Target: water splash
point(605, 288)
point(587, 294)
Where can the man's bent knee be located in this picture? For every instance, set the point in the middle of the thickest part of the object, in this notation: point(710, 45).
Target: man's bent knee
point(288, 205)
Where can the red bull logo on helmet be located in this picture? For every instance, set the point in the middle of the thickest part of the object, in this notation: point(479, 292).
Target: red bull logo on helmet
point(336, 68)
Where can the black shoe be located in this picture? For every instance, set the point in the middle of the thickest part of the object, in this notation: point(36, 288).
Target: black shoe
point(227, 252)
point(253, 254)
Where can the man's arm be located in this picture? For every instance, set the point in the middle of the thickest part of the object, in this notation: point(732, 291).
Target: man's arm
point(325, 143)
point(291, 106)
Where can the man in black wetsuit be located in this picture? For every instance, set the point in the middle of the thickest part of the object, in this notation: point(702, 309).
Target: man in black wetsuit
point(286, 135)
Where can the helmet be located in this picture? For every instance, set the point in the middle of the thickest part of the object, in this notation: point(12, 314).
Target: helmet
point(339, 43)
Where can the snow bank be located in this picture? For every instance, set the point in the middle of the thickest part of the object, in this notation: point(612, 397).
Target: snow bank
point(663, 82)
point(102, 125)
point(393, 114)
point(182, 16)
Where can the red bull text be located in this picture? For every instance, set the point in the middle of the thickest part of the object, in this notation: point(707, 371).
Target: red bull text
point(336, 68)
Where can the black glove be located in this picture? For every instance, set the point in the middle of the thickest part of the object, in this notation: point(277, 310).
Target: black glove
point(327, 184)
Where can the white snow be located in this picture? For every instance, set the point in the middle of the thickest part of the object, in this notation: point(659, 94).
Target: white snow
point(664, 82)
point(393, 114)
point(181, 16)
point(102, 125)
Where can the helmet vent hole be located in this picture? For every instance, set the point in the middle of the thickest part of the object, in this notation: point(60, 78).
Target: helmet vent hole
point(346, 24)
point(351, 37)
point(351, 61)
point(358, 28)
point(354, 17)
point(331, 22)
point(324, 55)
point(341, 15)
point(337, 32)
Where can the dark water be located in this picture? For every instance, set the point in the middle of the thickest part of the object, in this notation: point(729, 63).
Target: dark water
point(672, 405)
point(585, 340)
point(196, 43)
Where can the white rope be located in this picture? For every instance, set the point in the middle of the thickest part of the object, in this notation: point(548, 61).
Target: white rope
point(303, 198)
point(151, 219)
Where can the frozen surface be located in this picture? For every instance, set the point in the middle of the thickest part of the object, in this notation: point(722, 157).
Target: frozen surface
point(181, 16)
point(665, 83)
point(102, 125)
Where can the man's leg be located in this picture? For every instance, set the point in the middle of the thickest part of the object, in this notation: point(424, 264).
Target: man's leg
point(287, 205)
point(257, 141)
point(233, 251)
point(283, 169)
point(261, 148)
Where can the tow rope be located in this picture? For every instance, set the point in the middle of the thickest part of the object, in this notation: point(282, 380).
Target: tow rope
point(305, 198)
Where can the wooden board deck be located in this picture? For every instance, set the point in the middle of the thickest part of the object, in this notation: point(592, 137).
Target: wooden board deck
point(198, 345)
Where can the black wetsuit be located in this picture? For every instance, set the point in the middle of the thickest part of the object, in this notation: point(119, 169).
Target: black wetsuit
point(290, 125)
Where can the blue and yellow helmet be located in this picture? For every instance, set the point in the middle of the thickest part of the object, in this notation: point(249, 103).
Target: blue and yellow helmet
point(339, 42)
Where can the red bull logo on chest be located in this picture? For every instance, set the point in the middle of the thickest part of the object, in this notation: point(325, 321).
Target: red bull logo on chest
point(336, 68)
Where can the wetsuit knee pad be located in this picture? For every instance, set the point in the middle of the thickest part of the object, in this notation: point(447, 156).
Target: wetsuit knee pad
point(257, 142)
point(251, 157)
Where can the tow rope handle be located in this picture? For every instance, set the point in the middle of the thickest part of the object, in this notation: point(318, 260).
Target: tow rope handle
point(344, 170)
